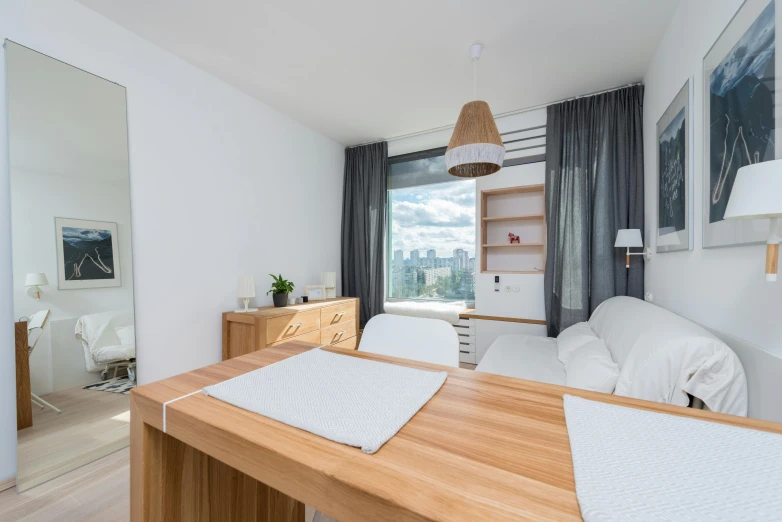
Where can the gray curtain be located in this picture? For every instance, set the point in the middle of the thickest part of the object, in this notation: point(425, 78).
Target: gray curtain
point(594, 187)
point(364, 202)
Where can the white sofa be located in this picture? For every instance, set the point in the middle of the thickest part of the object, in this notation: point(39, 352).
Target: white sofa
point(660, 357)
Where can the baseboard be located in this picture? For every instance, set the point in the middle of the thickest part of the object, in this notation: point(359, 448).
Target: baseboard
point(7, 483)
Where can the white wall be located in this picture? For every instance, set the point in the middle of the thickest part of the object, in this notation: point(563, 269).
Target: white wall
point(221, 185)
point(721, 288)
point(37, 199)
point(528, 302)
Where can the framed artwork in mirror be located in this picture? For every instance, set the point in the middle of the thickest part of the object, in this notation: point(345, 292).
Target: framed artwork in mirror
point(739, 117)
point(87, 254)
point(674, 174)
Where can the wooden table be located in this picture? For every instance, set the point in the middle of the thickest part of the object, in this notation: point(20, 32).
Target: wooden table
point(486, 447)
point(24, 403)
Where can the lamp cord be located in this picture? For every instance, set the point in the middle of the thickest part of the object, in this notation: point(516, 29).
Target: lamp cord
point(475, 79)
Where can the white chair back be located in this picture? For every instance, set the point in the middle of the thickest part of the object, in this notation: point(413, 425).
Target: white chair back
point(426, 340)
point(37, 321)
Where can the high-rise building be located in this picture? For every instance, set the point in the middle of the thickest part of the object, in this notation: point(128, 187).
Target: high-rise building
point(431, 275)
point(461, 260)
point(431, 258)
point(414, 257)
point(399, 259)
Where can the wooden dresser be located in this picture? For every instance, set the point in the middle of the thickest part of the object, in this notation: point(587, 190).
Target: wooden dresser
point(332, 321)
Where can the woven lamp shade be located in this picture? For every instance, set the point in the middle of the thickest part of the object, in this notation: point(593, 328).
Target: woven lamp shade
point(476, 148)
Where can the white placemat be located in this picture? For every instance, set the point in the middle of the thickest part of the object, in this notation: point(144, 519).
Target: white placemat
point(342, 398)
point(632, 464)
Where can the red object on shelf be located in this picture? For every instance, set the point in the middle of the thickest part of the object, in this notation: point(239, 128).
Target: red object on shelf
point(513, 238)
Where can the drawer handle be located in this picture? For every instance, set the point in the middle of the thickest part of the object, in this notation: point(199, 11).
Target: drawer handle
point(340, 314)
point(343, 331)
point(295, 325)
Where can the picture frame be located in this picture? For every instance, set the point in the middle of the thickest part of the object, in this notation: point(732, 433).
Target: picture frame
point(87, 254)
point(675, 167)
point(316, 292)
point(740, 116)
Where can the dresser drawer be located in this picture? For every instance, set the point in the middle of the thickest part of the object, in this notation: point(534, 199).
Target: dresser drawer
point(338, 332)
point(288, 326)
point(350, 344)
point(311, 337)
point(467, 357)
point(336, 314)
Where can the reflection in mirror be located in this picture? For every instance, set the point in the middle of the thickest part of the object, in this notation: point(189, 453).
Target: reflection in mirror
point(72, 270)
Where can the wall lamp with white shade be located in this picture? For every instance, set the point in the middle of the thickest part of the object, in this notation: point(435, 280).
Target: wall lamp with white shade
point(757, 194)
point(33, 282)
point(631, 238)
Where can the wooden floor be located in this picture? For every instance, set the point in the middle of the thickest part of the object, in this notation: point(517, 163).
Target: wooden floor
point(92, 424)
point(99, 491)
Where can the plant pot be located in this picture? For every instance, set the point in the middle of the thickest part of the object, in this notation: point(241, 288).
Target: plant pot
point(280, 300)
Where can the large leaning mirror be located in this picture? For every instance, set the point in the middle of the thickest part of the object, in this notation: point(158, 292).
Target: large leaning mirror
point(72, 264)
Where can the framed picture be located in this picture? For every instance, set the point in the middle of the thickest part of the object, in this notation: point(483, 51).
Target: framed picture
point(739, 117)
point(674, 174)
point(87, 254)
point(316, 292)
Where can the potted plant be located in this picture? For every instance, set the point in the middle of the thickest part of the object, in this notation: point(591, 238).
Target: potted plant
point(280, 290)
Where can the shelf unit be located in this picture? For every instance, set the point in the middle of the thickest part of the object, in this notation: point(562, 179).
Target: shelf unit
point(519, 210)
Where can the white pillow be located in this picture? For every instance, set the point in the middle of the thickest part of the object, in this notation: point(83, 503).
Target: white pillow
point(591, 368)
point(573, 338)
point(126, 334)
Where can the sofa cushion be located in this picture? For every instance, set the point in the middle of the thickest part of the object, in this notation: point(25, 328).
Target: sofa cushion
point(591, 368)
point(573, 338)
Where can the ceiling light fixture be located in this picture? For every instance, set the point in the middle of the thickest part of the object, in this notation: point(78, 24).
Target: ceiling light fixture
point(476, 148)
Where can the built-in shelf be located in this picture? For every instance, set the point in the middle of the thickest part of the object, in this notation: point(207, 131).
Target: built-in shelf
point(513, 218)
point(513, 245)
point(513, 210)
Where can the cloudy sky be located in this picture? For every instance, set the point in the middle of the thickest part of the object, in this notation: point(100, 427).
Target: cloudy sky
point(440, 216)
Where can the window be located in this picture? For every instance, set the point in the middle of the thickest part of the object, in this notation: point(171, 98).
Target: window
point(431, 230)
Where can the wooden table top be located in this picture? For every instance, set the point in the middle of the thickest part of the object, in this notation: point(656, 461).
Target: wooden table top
point(486, 447)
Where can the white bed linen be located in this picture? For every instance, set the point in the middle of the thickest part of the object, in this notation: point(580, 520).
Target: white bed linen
point(663, 357)
point(524, 357)
point(631, 464)
point(346, 399)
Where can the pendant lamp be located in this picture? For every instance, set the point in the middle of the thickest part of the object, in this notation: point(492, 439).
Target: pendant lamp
point(476, 148)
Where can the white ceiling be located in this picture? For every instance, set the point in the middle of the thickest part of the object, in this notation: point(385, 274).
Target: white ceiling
point(361, 70)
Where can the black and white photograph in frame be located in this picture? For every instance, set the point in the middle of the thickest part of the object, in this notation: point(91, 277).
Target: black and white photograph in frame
point(740, 117)
point(87, 254)
point(674, 174)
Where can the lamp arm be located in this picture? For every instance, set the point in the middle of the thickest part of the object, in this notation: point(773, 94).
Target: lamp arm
point(772, 250)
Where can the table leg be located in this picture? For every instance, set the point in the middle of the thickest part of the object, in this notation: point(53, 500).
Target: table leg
point(171, 482)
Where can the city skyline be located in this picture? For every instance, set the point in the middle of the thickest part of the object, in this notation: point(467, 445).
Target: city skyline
point(408, 258)
point(437, 217)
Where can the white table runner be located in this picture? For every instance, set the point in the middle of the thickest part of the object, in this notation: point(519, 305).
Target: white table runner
point(632, 464)
point(346, 399)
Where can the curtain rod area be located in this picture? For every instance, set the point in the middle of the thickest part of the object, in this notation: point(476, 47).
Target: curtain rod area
point(499, 115)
